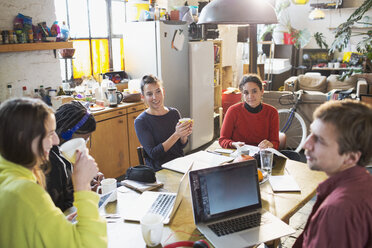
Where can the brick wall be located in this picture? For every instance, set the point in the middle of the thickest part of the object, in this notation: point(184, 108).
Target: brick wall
point(34, 68)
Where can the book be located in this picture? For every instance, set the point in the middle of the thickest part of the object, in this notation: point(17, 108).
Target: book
point(141, 186)
point(200, 160)
point(285, 183)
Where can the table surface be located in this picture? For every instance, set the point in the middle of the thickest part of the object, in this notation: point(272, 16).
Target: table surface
point(283, 205)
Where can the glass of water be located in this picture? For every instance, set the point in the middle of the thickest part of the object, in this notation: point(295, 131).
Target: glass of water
point(266, 162)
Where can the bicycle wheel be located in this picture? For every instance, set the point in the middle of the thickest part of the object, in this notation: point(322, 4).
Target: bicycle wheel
point(296, 133)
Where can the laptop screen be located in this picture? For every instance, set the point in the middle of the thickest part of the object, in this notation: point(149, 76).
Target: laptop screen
point(224, 190)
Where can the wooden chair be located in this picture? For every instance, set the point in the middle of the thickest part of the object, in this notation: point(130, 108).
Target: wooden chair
point(366, 98)
point(141, 155)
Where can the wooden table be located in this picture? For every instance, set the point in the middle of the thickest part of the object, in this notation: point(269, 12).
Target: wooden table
point(283, 205)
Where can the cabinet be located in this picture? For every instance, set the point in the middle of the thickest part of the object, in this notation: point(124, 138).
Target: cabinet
point(217, 45)
point(115, 138)
point(133, 112)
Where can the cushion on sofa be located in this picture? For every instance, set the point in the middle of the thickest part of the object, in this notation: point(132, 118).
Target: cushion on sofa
point(313, 83)
point(334, 83)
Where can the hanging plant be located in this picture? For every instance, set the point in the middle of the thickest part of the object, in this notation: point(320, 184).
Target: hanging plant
point(320, 40)
point(343, 34)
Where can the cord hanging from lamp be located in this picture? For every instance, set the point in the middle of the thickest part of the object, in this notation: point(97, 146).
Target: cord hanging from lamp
point(240, 12)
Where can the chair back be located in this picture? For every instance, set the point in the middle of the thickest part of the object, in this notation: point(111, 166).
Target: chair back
point(366, 98)
point(141, 155)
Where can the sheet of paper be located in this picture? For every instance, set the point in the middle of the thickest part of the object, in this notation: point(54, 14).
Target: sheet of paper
point(178, 40)
point(201, 160)
point(255, 149)
point(285, 183)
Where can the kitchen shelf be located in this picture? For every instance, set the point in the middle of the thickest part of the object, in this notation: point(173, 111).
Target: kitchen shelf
point(353, 28)
point(34, 46)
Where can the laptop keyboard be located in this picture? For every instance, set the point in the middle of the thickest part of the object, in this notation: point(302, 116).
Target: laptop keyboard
point(163, 204)
point(235, 225)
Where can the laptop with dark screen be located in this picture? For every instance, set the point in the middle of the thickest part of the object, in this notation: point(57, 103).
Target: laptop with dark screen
point(227, 206)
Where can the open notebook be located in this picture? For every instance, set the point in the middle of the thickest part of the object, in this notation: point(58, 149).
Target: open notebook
point(201, 160)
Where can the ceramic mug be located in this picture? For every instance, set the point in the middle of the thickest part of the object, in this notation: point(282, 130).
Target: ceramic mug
point(108, 185)
point(68, 149)
point(152, 229)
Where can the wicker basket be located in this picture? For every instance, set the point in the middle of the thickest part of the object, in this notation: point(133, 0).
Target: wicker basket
point(67, 52)
point(135, 97)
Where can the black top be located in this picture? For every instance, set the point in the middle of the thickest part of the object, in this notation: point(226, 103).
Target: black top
point(59, 181)
point(253, 110)
point(152, 131)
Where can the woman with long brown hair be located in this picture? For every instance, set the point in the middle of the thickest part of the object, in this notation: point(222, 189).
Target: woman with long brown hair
point(27, 133)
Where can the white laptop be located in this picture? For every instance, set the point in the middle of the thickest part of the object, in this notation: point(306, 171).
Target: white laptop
point(162, 203)
point(227, 206)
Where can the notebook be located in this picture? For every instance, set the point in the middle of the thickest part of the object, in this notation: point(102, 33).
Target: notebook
point(141, 186)
point(162, 203)
point(227, 206)
point(200, 160)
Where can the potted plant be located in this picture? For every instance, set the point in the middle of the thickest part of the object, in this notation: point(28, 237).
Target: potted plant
point(283, 32)
point(364, 47)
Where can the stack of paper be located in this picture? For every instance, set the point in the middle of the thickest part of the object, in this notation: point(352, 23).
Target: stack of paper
point(141, 186)
point(285, 183)
point(201, 160)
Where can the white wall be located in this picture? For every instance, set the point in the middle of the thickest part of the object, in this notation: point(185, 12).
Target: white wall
point(30, 69)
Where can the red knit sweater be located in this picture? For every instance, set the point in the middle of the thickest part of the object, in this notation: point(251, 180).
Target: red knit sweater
point(251, 128)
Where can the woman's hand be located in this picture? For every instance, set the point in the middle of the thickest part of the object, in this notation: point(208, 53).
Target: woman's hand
point(237, 144)
point(71, 217)
point(265, 144)
point(85, 169)
point(183, 130)
point(96, 181)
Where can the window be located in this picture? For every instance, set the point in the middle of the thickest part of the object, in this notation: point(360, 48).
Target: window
point(95, 29)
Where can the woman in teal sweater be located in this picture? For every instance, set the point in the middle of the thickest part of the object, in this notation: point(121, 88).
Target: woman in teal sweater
point(27, 213)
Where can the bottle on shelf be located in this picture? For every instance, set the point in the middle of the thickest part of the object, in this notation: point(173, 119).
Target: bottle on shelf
point(60, 91)
point(9, 91)
point(42, 91)
point(25, 92)
point(36, 94)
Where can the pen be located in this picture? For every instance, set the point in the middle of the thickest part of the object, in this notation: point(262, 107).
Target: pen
point(214, 152)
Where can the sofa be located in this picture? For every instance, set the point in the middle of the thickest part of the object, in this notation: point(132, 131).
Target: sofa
point(316, 90)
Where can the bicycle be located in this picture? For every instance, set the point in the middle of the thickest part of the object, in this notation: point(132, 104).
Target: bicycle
point(292, 123)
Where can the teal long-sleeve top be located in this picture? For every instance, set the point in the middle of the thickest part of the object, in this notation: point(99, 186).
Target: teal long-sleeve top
point(29, 218)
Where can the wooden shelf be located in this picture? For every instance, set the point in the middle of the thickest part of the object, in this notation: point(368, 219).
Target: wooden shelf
point(354, 28)
point(34, 46)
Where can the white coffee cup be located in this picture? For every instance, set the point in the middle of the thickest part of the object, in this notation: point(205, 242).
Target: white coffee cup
point(68, 149)
point(152, 229)
point(182, 120)
point(266, 158)
point(108, 185)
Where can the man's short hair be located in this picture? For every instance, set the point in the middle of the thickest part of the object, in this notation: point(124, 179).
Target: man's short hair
point(353, 122)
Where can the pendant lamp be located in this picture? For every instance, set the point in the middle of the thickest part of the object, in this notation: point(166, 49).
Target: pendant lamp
point(317, 14)
point(300, 2)
point(238, 12)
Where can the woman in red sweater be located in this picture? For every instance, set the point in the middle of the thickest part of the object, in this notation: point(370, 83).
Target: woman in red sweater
point(250, 122)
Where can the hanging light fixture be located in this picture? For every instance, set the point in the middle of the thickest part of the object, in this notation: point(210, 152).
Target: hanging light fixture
point(237, 12)
point(300, 2)
point(240, 12)
point(317, 14)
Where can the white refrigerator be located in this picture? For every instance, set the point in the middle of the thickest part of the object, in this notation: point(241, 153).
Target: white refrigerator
point(162, 48)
